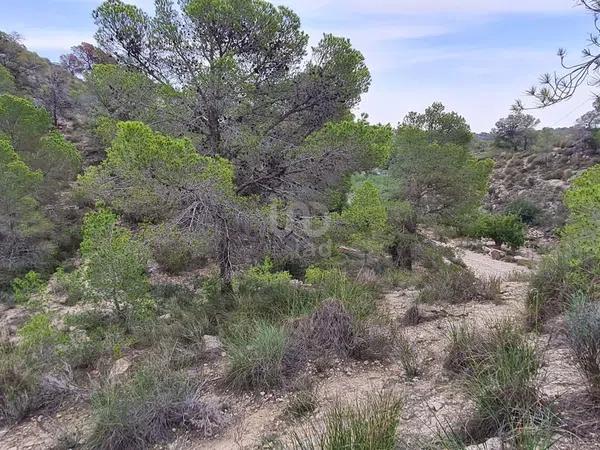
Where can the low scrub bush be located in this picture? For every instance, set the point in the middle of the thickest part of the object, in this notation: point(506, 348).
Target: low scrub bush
point(583, 330)
point(366, 425)
point(407, 354)
point(27, 286)
point(71, 284)
point(456, 285)
point(502, 368)
point(174, 250)
point(302, 403)
point(331, 332)
point(256, 353)
point(143, 410)
point(561, 275)
point(358, 298)
point(328, 332)
point(501, 228)
point(32, 375)
point(526, 210)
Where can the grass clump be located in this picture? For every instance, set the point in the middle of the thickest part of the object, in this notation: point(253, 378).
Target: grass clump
point(143, 410)
point(256, 354)
point(502, 368)
point(302, 403)
point(583, 331)
point(561, 275)
point(365, 425)
point(408, 356)
point(457, 285)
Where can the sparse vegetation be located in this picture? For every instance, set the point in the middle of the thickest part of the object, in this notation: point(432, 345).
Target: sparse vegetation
point(256, 353)
point(456, 285)
point(502, 369)
point(583, 327)
point(144, 410)
point(366, 425)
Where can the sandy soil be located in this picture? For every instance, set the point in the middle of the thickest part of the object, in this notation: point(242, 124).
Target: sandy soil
point(430, 400)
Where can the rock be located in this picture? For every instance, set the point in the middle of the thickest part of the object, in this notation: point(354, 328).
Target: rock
point(497, 254)
point(212, 344)
point(492, 444)
point(119, 368)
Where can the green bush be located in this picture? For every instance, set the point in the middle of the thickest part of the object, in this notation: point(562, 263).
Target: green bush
point(25, 287)
point(525, 210)
point(560, 276)
point(583, 331)
point(360, 299)
point(142, 411)
point(115, 265)
point(256, 354)
point(72, 284)
point(368, 425)
point(502, 229)
point(32, 375)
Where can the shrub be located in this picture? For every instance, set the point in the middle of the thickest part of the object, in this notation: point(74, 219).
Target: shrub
point(502, 368)
point(72, 284)
point(25, 287)
point(328, 332)
point(358, 298)
point(32, 377)
point(174, 250)
point(256, 353)
point(561, 275)
point(38, 333)
point(525, 210)
point(302, 403)
point(456, 285)
point(407, 354)
point(368, 425)
point(143, 410)
point(502, 229)
point(583, 330)
point(115, 265)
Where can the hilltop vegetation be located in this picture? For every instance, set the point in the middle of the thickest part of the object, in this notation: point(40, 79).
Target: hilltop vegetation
point(196, 230)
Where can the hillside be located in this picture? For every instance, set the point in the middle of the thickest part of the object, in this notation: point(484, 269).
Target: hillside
point(540, 178)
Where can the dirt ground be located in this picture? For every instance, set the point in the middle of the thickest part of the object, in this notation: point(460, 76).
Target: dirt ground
point(431, 400)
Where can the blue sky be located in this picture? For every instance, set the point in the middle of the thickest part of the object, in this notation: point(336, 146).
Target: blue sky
point(476, 56)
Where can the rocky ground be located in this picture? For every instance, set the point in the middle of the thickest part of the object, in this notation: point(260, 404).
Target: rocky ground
point(431, 400)
point(541, 178)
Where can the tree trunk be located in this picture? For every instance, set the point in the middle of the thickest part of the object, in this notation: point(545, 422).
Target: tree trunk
point(225, 265)
point(403, 248)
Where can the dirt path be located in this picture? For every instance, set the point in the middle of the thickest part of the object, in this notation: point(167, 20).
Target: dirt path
point(485, 267)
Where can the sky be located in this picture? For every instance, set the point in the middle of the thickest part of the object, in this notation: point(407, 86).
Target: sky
point(475, 56)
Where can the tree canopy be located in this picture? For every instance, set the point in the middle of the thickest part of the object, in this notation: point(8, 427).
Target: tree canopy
point(440, 126)
point(517, 131)
point(233, 75)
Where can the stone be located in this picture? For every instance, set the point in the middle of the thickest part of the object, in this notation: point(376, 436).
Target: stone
point(497, 255)
point(492, 444)
point(120, 367)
